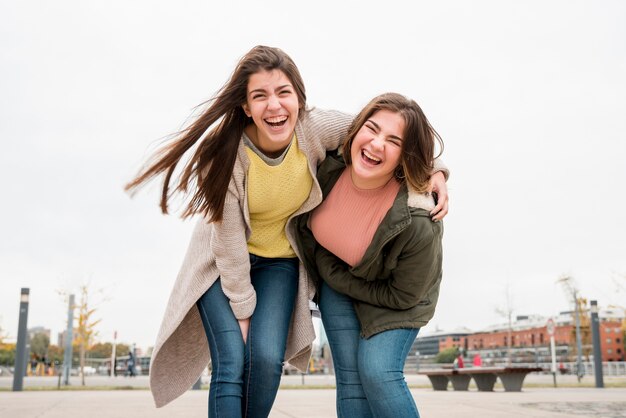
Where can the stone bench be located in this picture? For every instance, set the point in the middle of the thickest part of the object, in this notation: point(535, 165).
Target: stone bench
point(512, 378)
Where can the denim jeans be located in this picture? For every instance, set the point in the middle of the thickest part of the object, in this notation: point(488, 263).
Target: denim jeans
point(245, 377)
point(369, 372)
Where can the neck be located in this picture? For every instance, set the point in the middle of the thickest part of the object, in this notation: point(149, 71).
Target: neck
point(268, 148)
point(368, 183)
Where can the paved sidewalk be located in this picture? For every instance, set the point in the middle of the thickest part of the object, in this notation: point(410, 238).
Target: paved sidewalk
point(314, 403)
point(317, 380)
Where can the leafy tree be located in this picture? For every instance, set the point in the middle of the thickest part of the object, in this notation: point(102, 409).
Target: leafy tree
point(55, 354)
point(39, 345)
point(103, 350)
point(2, 334)
point(447, 356)
point(7, 354)
point(507, 313)
point(85, 330)
point(122, 349)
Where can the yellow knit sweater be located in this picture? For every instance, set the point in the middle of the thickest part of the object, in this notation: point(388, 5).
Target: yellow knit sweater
point(274, 194)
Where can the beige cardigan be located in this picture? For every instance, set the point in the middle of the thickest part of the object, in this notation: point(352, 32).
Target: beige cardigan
point(181, 351)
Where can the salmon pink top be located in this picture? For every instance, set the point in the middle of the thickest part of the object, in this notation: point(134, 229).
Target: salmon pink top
point(347, 219)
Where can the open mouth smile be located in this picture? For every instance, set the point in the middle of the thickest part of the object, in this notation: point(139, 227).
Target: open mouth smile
point(276, 121)
point(369, 158)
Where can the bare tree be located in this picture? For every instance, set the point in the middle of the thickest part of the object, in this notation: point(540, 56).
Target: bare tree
point(506, 312)
point(619, 280)
point(581, 318)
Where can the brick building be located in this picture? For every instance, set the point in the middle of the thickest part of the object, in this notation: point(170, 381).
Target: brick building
point(530, 341)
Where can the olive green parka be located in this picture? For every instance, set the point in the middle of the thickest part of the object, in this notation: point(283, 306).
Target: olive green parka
point(396, 284)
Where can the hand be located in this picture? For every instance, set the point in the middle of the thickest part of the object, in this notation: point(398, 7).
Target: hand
point(244, 325)
point(438, 185)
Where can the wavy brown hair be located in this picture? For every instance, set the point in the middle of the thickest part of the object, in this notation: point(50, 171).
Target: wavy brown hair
point(210, 166)
point(419, 138)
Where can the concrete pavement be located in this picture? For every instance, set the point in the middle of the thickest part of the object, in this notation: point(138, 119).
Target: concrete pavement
point(298, 398)
point(317, 403)
point(317, 380)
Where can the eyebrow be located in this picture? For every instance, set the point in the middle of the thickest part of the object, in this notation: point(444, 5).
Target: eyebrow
point(261, 90)
point(378, 127)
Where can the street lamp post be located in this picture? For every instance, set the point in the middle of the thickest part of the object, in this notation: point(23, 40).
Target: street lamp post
point(597, 349)
point(20, 348)
point(550, 329)
point(580, 372)
point(113, 354)
point(67, 358)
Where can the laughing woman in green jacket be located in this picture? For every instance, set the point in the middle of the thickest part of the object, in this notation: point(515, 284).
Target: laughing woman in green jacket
point(376, 253)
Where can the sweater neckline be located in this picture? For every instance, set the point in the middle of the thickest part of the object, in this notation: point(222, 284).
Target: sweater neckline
point(391, 183)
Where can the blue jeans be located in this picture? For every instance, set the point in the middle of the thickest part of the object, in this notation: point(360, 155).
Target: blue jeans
point(245, 377)
point(369, 372)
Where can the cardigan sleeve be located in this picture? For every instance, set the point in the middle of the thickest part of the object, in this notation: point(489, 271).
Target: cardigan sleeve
point(231, 256)
point(328, 127)
point(418, 267)
point(439, 165)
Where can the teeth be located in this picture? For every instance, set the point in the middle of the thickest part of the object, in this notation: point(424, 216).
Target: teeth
point(371, 157)
point(276, 119)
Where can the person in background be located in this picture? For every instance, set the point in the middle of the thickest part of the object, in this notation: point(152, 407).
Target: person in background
point(130, 365)
point(458, 362)
point(478, 361)
point(376, 253)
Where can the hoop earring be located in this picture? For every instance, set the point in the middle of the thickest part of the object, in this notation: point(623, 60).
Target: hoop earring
point(399, 173)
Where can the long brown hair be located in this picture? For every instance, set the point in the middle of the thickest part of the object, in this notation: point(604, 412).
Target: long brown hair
point(418, 145)
point(211, 165)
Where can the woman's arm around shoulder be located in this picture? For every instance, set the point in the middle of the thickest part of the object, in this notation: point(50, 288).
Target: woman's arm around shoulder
point(329, 128)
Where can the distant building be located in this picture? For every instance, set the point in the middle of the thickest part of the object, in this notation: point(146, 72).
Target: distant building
point(530, 341)
point(62, 336)
point(38, 330)
point(431, 344)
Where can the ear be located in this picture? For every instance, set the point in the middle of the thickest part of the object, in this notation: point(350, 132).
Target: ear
point(246, 109)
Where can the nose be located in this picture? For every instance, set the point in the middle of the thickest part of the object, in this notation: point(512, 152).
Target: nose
point(378, 141)
point(273, 102)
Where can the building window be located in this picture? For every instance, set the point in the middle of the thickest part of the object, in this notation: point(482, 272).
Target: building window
point(617, 330)
point(541, 338)
point(609, 351)
point(609, 341)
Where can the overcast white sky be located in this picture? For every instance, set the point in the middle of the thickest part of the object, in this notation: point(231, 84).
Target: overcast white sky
point(529, 98)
